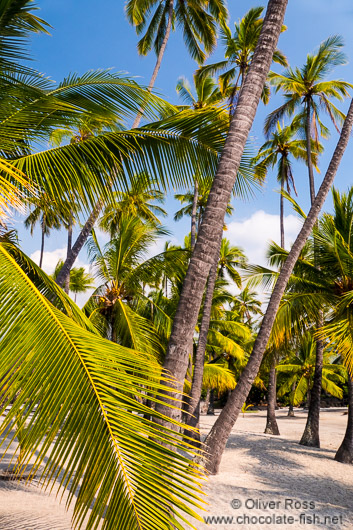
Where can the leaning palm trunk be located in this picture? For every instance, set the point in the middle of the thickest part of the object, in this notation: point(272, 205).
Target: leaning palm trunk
point(80, 241)
point(207, 244)
point(311, 437)
point(196, 389)
point(291, 404)
point(345, 451)
point(218, 436)
point(271, 422)
point(159, 59)
point(42, 243)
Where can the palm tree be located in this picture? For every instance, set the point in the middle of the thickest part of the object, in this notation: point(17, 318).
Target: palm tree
point(280, 149)
point(299, 369)
point(239, 51)
point(80, 280)
point(247, 305)
point(198, 20)
point(210, 234)
point(139, 200)
point(306, 91)
point(49, 215)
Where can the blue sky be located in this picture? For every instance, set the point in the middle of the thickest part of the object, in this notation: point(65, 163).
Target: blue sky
point(88, 34)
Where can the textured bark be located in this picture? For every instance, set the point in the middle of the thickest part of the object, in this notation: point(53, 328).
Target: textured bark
point(308, 151)
point(271, 422)
point(218, 436)
point(196, 388)
point(206, 247)
point(193, 214)
point(159, 59)
point(345, 451)
point(69, 248)
point(210, 408)
point(80, 241)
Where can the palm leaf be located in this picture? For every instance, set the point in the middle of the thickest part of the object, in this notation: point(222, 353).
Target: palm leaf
point(81, 397)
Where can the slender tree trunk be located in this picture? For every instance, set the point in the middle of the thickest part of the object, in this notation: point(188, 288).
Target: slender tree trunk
point(291, 404)
point(69, 247)
point(206, 248)
point(159, 59)
point(207, 401)
point(345, 451)
point(271, 423)
point(311, 436)
point(194, 214)
point(210, 408)
point(42, 243)
point(218, 436)
point(80, 241)
point(281, 211)
point(196, 389)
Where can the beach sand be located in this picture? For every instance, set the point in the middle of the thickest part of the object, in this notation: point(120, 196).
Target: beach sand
point(265, 476)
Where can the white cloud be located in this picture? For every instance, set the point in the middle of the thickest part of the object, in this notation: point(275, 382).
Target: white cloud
point(254, 233)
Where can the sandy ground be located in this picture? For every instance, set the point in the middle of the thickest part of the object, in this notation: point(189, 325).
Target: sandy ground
point(265, 482)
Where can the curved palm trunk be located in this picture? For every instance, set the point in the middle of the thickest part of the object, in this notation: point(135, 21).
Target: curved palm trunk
point(196, 389)
point(159, 59)
point(69, 248)
point(42, 243)
point(194, 214)
point(311, 436)
point(80, 241)
point(271, 423)
point(207, 244)
point(218, 436)
point(345, 451)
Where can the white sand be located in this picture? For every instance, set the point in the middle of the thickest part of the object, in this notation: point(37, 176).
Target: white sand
point(255, 466)
point(263, 468)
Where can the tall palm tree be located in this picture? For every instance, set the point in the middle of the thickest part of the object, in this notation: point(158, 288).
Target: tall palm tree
point(80, 280)
point(49, 215)
point(210, 235)
point(247, 305)
point(239, 51)
point(306, 92)
point(281, 149)
point(198, 20)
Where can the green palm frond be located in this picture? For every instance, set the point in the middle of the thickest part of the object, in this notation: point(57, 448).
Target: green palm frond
point(81, 397)
point(217, 376)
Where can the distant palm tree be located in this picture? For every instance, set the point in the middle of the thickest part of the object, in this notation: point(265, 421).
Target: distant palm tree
point(80, 280)
point(307, 93)
point(139, 200)
point(247, 304)
point(280, 149)
point(49, 215)
point(299, 369)
point(239, 50)
point(198, 19)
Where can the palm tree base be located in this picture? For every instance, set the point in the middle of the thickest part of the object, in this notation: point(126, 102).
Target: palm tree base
point(345, 453)
point(272, 427)
point(310, 436)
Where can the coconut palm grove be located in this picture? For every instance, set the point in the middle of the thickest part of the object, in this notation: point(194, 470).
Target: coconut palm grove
point(158, 369)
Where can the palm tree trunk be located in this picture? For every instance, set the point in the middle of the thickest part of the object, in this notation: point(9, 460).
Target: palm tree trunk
point(69, 247)
point(345, 451)
point(159, 59)
point(207, 244)
point(281, 210)
point(193, 214)
point(218, 436)
point(311, 436)
point(196, 389)
point(42, 243)
point(80, 241)
point(271, 423)
point(291, 404)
